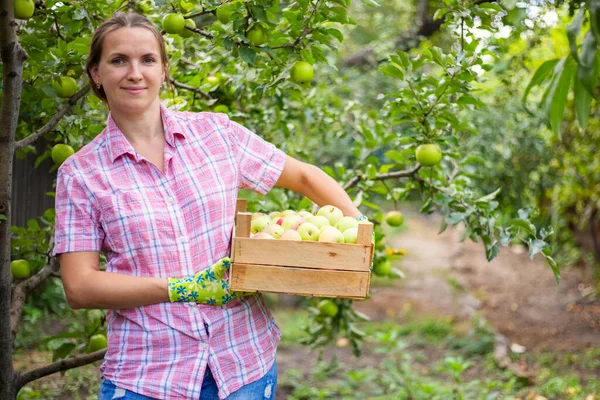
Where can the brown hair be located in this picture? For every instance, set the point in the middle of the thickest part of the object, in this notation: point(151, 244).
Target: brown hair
point(117, 21)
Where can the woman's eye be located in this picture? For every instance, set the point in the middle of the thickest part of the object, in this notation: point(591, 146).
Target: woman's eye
point(149, 60)
point(117, 61)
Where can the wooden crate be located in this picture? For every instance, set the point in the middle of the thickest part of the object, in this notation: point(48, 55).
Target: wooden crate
point(300, 268)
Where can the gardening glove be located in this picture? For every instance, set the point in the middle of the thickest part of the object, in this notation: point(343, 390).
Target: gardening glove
point(363, 218)
point(205, 287)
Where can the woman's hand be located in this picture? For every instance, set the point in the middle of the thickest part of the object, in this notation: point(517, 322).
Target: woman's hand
point(205, 287)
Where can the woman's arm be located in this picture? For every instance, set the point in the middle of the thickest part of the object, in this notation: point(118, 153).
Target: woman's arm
point(315, 184)
point(88, 287)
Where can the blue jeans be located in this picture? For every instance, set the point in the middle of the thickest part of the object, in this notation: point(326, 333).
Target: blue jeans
point(262, 389)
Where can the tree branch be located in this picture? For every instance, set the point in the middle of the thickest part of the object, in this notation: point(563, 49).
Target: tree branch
point(64, 110)
point(305, 31)
point(20, 290)
point(58, 366)
point(390, 175)
point(193, 89)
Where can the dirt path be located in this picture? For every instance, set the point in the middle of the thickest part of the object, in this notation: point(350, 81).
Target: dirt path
point(517, 296)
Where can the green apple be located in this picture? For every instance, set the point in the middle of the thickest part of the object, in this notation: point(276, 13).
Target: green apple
point(309, 231)
point(186, 33)
point(65, 86)
point(259, 224)
point(350, 235)
point(331, 235)
point(97, 342)
point(302, 72)
point(383, 268)
point(319, 220)
point(173, 23)
point(224, 12)
point(20, 269)
point(60, 152)
point(394, 218)
point(23, 9)
point(274, 230)
point(256, 215)
point(428, 155)
point(292, 222)
point(290, 234)
point(257, 36)
point(332, 213)
point(287, 213)
point(346, 223)
point(305, 214)
point(328, 308)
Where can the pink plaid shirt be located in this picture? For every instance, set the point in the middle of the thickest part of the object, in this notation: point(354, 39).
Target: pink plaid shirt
point(110, 199)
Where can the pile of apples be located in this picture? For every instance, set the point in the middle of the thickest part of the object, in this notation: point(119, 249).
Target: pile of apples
point(328, 225)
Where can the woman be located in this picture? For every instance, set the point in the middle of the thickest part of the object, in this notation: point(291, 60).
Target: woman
point(156, 193)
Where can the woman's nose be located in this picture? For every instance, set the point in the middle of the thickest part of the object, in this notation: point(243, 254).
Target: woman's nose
point(134, 72)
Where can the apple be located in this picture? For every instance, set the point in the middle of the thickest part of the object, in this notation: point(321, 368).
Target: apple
point(309, 231)
point(224, 12)
point(275, 214)
point(173, 23)
point(262, 235)
point(60, 152)
point(319, 220)
point(302, 72)
point(97, 342)
point(257, 36)
point(256, 215)
point(346, 223)
point(186, 33)
point(332, 213)
point(428, 155)
point(287, 213)
point(274, 230)
point(383, 268)
point(305, 214)
point(324, 228)
point(331, 235)
point(394, 218)
point(20, 269)
point(23, 9)
point(350, 235)
point(292, 222)
point(259, 224)
point(328, 308)
point(65, 87)
point(290, 234)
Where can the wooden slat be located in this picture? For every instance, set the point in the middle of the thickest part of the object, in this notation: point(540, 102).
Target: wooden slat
point(365, 233)
point(333, 256)
point(299, 281)
point(244, 220)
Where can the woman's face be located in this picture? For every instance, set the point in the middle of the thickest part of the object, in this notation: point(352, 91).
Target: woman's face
point(130, 70)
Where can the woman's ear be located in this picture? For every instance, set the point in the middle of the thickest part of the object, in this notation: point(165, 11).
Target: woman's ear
point(95, 74)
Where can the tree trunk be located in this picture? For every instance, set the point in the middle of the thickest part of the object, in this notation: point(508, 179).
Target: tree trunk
point(13, 58)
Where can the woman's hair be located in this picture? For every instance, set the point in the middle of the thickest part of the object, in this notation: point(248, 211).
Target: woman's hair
point(117, 21)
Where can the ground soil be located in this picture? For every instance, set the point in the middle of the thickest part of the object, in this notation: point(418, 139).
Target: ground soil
point(518, 297)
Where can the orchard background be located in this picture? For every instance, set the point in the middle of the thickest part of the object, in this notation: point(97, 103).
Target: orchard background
point(506, 90)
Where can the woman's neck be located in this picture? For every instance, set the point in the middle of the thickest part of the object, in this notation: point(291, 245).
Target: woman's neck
point(140, 128)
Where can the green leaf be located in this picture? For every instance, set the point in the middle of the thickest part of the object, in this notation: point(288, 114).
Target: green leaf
point(539, 76)
point(536, 246)
point(437, 55)
point(587, 70)
point(247, 54)
point(336, 34)
point(439, 13)
point(594, 6)
point(573, 31)
point(392, 69)
point(557, 92)
point(523, 224)
point(395, 156)
point(555, 268)
point(487, 198)
point(583, 100)
point(470, 100)
point(63, 351)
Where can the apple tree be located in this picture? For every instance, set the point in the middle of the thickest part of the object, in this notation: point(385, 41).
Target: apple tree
point(272, 67)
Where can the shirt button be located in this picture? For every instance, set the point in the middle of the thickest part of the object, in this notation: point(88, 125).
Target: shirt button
point(170, 199)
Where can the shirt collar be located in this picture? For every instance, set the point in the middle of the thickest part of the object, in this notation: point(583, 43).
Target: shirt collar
point(119, 145)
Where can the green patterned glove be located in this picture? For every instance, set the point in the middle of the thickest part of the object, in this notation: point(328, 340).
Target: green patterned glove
point(206, 287)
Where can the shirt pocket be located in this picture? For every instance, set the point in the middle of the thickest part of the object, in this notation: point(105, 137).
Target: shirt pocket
point(129, 221)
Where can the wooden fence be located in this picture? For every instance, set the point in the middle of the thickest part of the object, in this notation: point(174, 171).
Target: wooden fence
point(30, 185)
